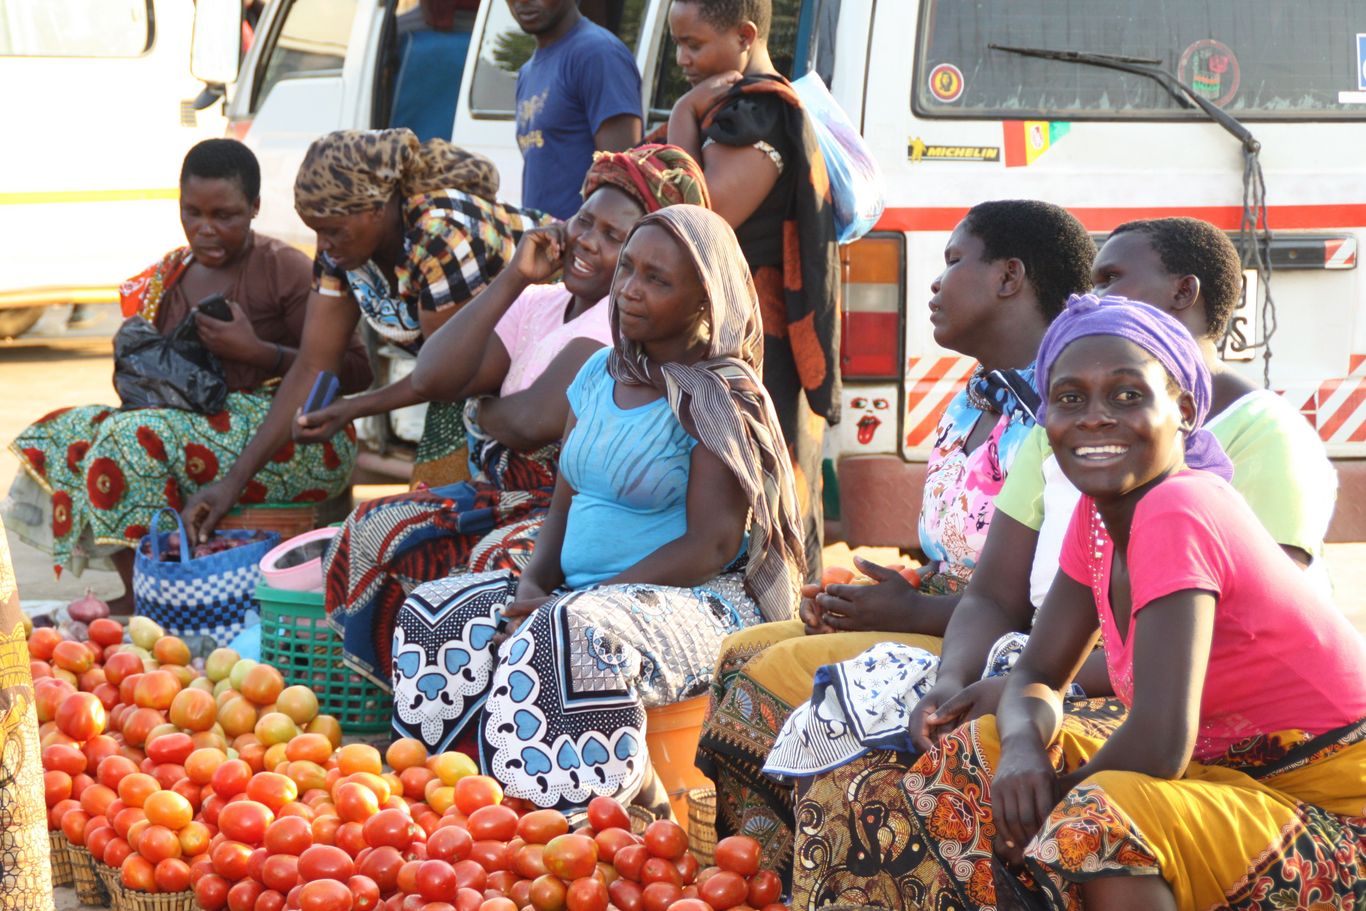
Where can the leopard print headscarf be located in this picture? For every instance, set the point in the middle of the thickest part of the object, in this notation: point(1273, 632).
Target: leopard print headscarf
point(352, 171)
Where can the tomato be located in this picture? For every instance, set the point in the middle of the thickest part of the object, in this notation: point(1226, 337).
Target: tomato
point(81, 716)
point(659, 896)
point(325, 862)
point(269, 900)
point(607, 813)
point(382, 865)
point(571, 856)
point(230, 778)
point(245, 821)
point(112, 769)
point(272, 789)
point(539, 826)
point(172, 875)
point(97, 840)
point(624, 894)
point(116, 852)
point(475, 791)
point(56, 787)
point(469, 875)
point(687, 867)
point(351, 838)
point(258, 860)
point(435, 880)
point(138, 873)
point(520, 891)
point(659, 870)
point(324, 894)
point(467, 899)
point(169, 809)
point(157, 843)
point(355, 802)
point(630, 859)
point(494, 822)
point(390, 827)
point(738, 854)
point(491, 855)
point(765, 888)
point(62, 757)
point(211, 892)
point(242, 896)
point(280, 872)
point(289, 835)
point(175, 748)
point(527, 861)
point(407, 876)
point(449, 843)
point(548, 893)
point(586, 894)
point(690, 904)
point(667, 839)
point(73, 826)
point(724, 890)
point(610, 841)
point(194, 839)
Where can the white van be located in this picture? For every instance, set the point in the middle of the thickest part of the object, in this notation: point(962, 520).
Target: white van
point(99, 102)
point(955, 121)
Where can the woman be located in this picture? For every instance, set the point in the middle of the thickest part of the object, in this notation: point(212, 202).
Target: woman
point(644, 563)
point(745, 123)
point(1245, 694)
point(93, 475)
point(407, 233)
point(1009, 268)
point(512, 351)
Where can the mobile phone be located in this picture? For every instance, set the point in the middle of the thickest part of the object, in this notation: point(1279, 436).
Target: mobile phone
point(324, 390)
point(216, 306)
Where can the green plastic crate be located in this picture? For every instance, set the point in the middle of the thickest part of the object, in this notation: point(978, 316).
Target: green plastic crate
point(297, 641)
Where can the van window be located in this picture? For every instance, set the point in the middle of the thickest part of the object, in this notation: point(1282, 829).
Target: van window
point(504, 47)
point(310, 41)
point(670, 85)
point(75, 28)
point(1263, 61)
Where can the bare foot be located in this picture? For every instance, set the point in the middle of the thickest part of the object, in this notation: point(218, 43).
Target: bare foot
point(122, 606)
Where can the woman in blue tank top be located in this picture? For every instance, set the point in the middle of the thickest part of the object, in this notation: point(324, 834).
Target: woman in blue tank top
point(673, 524)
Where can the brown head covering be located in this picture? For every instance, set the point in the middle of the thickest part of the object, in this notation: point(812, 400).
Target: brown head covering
point(653, 175)
point(352, 171)
point(722, 400)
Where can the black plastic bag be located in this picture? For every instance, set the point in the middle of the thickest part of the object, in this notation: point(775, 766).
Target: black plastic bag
point(152, 370)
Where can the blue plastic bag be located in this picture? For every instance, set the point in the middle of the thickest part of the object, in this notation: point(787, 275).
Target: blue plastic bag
point(856, 183)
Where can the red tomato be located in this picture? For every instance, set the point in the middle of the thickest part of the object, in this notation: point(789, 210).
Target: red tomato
point(690, 904)
point(606, 813)
point(291, 835)
point(355, 802)
point(382, 865)
point(495, 822)
point(502, 881)
point(529, 861)
point(63, 757)
point(571, 856)
point(610, 841)
point(724, 890)
point(137, 873)
point(366, 891)
point(491, 855)
point(475, 791)
point(738, 854)
point(586, 894)
point(449, 843)
point(659, 896)
point(625, 895)
point(687, 866)
point(173, 748)
point(245, 821)
point(351, 838)
point(230, 859)
point(667, 839)
point(501, 903)
point(394, 828)
point(469, 875)
point(272, 790)
point(539, 826)
point(325, 862)
point(659, 870)
point(467, 899)
point(280, 872)
point(548, 893)
point(435, 880)
point(325, 895)
point(211, 892)
point(270, 900)
point(81, 716)
point(116, 852)
point(172, 875)
point(230, 778)
point(765, 888)
point(630, 859)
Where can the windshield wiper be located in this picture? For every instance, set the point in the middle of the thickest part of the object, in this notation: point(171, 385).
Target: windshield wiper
point(1150, 67)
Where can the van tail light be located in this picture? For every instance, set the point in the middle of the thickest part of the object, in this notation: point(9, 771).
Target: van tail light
point(237, 129)
point(871, 271)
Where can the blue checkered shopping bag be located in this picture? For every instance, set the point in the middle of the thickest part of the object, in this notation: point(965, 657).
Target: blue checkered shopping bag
point(198, 596)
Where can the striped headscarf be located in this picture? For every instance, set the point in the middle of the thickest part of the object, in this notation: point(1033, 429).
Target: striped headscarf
point(350, 171)
point(722, 401)
point(653, 175)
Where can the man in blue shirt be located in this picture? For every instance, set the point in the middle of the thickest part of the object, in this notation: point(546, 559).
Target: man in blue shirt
point(579, 93)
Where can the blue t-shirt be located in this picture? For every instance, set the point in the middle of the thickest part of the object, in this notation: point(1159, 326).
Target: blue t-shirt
point(564, 94)
point(629, 470)
point(428, 82)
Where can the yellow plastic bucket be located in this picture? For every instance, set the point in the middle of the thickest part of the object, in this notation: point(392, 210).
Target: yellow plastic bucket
point(671, 734)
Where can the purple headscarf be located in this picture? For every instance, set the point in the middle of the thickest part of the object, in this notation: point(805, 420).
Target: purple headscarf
point(1156, 333)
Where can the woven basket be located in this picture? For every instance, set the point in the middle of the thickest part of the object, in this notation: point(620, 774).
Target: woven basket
point(113, 884)
point(89, 889)
point(158, 901)
point(289, 519)
point(640, 818)
point(61, 860)
point(702, 824)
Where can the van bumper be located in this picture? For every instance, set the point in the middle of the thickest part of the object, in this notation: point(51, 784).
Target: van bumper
point(880, 500)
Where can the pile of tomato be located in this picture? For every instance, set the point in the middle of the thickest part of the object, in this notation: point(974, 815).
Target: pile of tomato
point(251, 801)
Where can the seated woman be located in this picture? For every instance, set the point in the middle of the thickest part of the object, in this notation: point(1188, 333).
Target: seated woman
point(1009, 268)
point(645, 563)
point(94, 475)
point(407, 233)
point(512, 352)
point(1237, 777)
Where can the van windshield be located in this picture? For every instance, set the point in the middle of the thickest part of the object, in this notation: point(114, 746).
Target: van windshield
point(1256, 59)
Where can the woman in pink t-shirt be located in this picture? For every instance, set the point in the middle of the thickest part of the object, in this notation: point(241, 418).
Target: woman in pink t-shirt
point(511, 353)
point(1238, 778)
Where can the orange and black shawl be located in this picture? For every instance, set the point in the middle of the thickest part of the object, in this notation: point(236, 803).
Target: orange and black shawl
point(810, 253)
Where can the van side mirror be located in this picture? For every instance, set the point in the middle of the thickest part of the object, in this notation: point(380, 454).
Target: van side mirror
point(216, 51)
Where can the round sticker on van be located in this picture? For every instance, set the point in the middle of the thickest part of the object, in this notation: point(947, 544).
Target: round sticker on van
point(1211, 68)
point(946, 83)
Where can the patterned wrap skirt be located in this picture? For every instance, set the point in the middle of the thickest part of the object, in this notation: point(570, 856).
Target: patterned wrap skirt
point(559, 710)
point(94, 475)
point(25, 873)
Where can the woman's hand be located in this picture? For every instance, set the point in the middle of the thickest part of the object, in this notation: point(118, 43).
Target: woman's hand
point(810, 612)
point(207, 507)
point(868, 608)
point(517, 612)
point(702, 97)
point(323, 424)
point(1023, 793)
point(540, 253)
point(234, 339)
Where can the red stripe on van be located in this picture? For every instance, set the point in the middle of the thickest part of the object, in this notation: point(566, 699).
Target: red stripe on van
point(1096, 218)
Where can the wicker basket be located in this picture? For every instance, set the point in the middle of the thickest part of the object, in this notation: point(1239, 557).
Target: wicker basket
point(640, 818)
point(89, 889)
point(61, 859)
point(113, 884)
point(158, 901)
point(289, 519)
point(702, 824)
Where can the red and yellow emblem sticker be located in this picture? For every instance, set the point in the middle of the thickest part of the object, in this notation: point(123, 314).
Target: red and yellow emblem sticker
point(946, 83)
